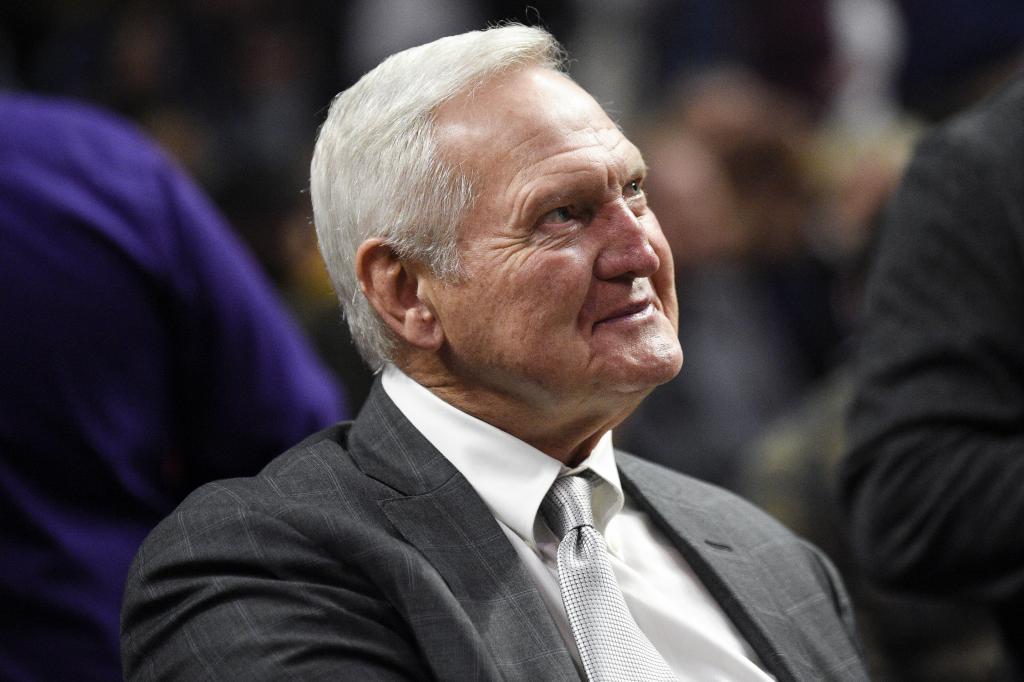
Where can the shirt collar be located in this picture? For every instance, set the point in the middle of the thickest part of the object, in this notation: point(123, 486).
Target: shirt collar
point(511, 476)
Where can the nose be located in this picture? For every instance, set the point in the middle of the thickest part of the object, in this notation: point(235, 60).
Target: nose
point(626, 251)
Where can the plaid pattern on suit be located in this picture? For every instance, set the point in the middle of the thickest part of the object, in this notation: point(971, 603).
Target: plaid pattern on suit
point(362, 553)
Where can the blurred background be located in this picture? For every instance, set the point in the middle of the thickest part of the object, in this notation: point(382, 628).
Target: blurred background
point(774, 130)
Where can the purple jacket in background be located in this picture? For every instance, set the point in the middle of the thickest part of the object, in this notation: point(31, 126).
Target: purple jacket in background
point(142, 352)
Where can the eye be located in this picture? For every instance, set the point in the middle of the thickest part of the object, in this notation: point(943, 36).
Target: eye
point(562, 214)
point(633, 188)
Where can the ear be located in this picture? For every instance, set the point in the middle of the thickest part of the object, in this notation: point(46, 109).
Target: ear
point(395, 290)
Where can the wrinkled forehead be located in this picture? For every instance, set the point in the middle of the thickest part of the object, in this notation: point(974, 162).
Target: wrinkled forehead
point(522, 118)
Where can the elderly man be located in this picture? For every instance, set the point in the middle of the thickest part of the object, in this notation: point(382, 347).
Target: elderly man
point(486, 229)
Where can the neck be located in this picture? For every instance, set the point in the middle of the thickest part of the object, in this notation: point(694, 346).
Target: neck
point(565, 428)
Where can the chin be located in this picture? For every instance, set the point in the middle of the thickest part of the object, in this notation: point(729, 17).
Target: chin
point(662, 373)
point(662, 361)
point(642, 375)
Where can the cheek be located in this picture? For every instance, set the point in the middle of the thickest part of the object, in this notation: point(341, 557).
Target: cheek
point(539, 297)
point(560, 285)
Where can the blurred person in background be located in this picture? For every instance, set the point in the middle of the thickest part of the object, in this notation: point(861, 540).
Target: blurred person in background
point(933, 478)
point(142, 354)
point(928, 442)
point(791, 468)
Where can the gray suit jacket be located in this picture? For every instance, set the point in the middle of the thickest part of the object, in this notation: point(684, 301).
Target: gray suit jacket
point(362, 553)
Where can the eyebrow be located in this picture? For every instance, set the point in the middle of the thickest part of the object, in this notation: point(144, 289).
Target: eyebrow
point(635, 162)
point(581, 181)
point(554, 193)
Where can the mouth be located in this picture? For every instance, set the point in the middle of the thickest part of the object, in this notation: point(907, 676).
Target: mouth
point(631, 312)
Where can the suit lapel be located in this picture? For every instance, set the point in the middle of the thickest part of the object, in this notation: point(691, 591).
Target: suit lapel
point(732, 577)
point(437, 511)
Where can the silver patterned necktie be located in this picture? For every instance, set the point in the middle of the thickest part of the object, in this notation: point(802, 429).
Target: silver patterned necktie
point(610, 643)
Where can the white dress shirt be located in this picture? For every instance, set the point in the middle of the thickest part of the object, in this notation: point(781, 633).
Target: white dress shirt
point(667, 600)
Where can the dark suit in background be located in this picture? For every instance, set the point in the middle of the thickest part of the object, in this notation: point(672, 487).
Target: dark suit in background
point(363, 554)
point(934, 480)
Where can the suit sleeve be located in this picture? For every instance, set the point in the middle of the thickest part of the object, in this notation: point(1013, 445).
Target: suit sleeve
point(934, 481)
point(220, 591)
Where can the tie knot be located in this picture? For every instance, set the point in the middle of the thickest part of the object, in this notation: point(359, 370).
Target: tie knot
point(567, 504)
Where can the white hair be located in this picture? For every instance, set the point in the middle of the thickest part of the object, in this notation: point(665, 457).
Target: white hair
point(377, 172)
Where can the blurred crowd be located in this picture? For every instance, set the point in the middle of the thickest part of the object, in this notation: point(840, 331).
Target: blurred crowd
point(774, 131)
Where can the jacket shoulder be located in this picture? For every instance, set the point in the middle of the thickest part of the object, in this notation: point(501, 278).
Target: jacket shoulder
point(294, 494)
point(302, 543)
point(723, 509)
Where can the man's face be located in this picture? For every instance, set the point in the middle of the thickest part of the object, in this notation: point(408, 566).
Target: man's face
point(567, 300)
